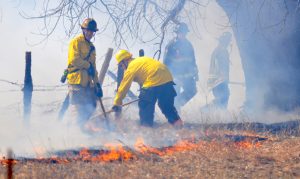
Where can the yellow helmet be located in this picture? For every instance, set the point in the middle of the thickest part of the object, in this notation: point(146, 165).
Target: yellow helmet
point(89, 24)
point(122, 54)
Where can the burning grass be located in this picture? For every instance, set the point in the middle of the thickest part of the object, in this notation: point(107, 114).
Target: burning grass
point(210, 153)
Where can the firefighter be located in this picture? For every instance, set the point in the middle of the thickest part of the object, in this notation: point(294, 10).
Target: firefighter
point(82, 75)
point(156, 86)
point(218, 78)
point(180, 58)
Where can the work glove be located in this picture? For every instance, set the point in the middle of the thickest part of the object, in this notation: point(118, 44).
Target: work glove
point(117, 109)
point(64, 76)
point(98, 90)
point(91, 70)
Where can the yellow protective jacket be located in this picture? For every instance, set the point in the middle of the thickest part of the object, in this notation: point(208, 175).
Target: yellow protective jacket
point(77, 64)
point(147, 72)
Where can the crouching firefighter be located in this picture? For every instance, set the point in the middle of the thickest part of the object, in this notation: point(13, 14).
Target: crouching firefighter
point(82, 76)
point(157, 86)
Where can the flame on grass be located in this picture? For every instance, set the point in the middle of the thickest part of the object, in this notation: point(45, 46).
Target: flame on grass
point(114, 152)
point(117, 152)
point(142, 148)
point(183, 145)
point(247, 144)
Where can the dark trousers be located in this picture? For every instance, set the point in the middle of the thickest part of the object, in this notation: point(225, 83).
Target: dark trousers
point(165, 95)
point(221, 93)
point(186, 90)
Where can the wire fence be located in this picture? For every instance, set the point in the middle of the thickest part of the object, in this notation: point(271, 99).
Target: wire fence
point(45, 88)
point(43, 102)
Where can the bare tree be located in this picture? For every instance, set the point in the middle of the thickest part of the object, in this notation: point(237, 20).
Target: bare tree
point(128, 18)
point(267, 34)
point(132, 19)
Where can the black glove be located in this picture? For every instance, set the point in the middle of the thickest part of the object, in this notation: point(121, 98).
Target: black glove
point(117, 108)
point(91, 70)
point(98, 90)
point(64, 76)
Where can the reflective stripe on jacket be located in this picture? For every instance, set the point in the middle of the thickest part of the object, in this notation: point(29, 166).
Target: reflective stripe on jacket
point(78, 50)
point(147, 72)
point(219, 67)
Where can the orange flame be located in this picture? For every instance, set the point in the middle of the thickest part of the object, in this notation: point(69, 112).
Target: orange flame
point(248, 144)
point(119, 152)
point(183, 145)
point(142, 148)
point(114, 153)
point(56, 159)
point(6, 162)
point(85, 154)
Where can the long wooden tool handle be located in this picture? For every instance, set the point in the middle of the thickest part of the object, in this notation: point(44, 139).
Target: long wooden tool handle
point(126, 104)
point(133, 101)
point(102, 107)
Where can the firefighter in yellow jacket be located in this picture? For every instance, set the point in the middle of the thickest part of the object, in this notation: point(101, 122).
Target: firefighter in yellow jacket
point(82, 74)
point(157, 85)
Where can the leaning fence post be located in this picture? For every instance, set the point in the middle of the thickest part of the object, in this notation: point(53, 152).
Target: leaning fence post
point(105, 65)
point(28, 87)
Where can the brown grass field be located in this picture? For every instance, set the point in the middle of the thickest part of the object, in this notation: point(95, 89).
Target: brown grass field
point(219, 153)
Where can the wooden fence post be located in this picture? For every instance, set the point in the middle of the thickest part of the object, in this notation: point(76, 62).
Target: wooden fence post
point(9, 164)
point(28, 88)
point(105, 65)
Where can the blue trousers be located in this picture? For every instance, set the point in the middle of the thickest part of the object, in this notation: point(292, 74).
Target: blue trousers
point(164, 95)
point(186, 89)
point(221, 93)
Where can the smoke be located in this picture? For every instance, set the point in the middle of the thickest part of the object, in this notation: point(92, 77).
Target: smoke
point(266, 34)
point(257, 40)
point(44, 134)
point(205, 29)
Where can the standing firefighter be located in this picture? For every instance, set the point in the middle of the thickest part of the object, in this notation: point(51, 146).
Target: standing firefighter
point(82, 74)
point(156, 85)
point(180, 59)
point(219, 72)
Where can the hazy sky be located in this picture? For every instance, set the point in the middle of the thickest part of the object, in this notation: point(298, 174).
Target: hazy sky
point(50, 58)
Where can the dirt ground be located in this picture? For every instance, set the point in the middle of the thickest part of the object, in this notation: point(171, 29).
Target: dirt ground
point(221, 154)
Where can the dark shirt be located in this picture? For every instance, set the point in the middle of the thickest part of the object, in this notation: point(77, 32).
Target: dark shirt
point(180, 57)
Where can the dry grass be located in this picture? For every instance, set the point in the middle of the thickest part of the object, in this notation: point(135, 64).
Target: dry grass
point(277, 157)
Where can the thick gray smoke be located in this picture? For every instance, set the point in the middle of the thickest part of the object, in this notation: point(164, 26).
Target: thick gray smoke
point(45, 134)
point(267, 37)
point(265, 48)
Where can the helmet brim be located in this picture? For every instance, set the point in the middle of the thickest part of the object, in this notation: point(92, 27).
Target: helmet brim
point(93, 30)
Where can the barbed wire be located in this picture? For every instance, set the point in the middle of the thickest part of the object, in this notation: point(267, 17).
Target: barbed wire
point(41, 88)
point(47, 88)
point(12, 83)
point(22, 84)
